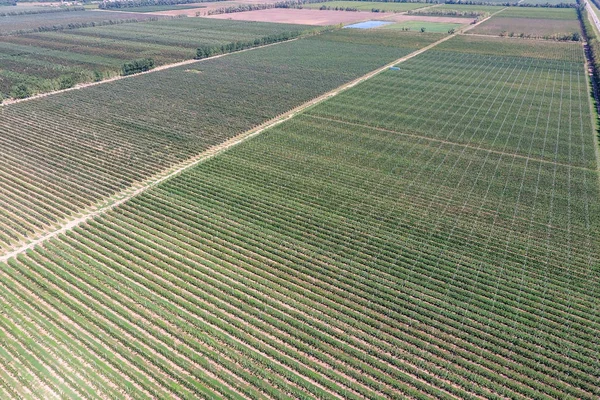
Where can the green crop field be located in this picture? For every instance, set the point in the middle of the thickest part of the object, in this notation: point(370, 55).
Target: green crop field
point(22, 10)
point(224, 230)
point(429, 233)
point(555, 14)
point(61, 20)
point(548, 2)
point(98, 141)
point(454, 10)
point(551, 23)
point(49, 61)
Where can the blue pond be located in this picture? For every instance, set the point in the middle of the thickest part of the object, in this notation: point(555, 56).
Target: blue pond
point(368, 24)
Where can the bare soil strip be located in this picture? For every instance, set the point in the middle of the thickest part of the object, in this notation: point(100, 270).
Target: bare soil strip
point(302, 16)
point(136, 190)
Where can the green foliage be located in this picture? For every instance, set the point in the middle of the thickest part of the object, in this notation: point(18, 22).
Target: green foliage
point(21, 91)
point(593, 43)
point(66, 81)
point(136, 66)
point(449, 13)
point(524, 4)
point(98, 76)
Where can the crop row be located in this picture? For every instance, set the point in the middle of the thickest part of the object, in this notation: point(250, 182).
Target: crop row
point(527, 106)
point(94, 53)
point(58, 161)
point(329, 258)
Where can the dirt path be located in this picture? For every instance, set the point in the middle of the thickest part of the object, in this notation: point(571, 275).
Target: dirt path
point(129, 193)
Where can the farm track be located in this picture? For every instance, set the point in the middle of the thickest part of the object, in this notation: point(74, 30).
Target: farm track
point(129, 193)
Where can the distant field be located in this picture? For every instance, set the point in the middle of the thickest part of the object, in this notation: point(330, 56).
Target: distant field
point(469, 11)
point(549, 2)
point(496, 46)
point(566, 14)
point(467, 7)
point(429, 26)
point(431, 233)
point(522, 56)
point(11, 11)
point(534, 22)
point(61, 20)
point(368, 5)
point(161, 8)
point(42, 61)
point(66, 152)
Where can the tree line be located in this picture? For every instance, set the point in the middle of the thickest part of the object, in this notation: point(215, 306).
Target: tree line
point(77, 25)
point(45, 10)
point(511, 4)
point(146, 3)
point(209, 51)
point(561, 37)
point(593, 46)
point(137, 66)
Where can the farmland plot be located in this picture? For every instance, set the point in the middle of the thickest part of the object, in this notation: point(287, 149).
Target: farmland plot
point(549, 23)
point(29, 22)
point(46, 61)
point(550, 3)
point(460, 8)
point(342, 259)
point(64, 153)
point(515, 83)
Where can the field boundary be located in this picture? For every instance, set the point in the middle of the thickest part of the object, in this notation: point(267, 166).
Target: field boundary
point(135, 190)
